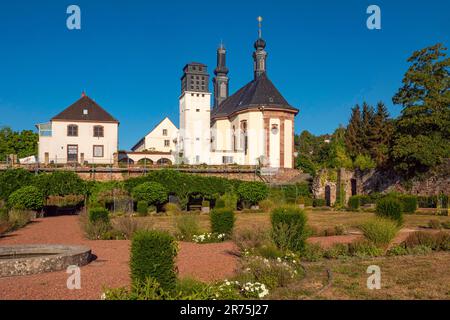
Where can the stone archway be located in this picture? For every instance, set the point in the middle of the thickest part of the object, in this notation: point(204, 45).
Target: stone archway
point(145, 161)
point(164, 162)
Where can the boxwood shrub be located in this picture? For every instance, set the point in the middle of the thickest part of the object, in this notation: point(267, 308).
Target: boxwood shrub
point(289, 230)
point(153, 256)
point(354, 203)
point(28, 197)
point(142, 208)
point(98, 214)
point(222, 221)
point(390, 207)
point(151, 192)
point(253, 192)
point(409, 203)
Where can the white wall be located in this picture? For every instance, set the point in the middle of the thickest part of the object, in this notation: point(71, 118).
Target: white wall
point(195, 131)
point(274, 140)
point(288, 152)
point(56, 145)
point(155, 140)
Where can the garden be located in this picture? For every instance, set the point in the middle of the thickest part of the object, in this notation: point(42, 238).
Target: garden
point(288, 245)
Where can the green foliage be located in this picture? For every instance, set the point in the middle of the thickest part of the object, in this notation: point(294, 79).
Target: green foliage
point(151, 192)
point(379, 231)
point(18, 218)
point(364, 162)
point(187, 226)
point(230, 200)
point(434, 241)
point(222, 221)
point(65, 201)
point(266, 205)
point(142, 208)
point(60, 183)
point(304, 163)
point(354, 203)
point(319, 202)
point(23, 143)
point(220, 203)
point(205, 203)
point(409, 203)
point(422, 130)
point(364, 249)
point(13, 179)
point(289, 230)
point(390, 207)
point(153, 256)
point(4, 217)
point(253, 192)
point(98, 214)
point(29, 197)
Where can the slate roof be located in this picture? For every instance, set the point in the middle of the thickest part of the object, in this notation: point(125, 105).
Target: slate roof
point(75, 112)
point(258, 92)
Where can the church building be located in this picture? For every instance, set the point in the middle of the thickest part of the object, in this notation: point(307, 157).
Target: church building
point(255, 125)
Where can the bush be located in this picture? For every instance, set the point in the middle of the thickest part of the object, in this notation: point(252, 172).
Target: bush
point(151, 192)
point(172, 208)
point(153, 255)
point(364, 162)
point(266, 205)
point(319, 203)
point(98, 214)
point(434, 224)
point(252, 192)
point(312, 252)
point(364, 249)
point(220, 203)
point(187, 226)
point(127, 226)
point(70, 200)
point(29, 197)
point(142, 208)
point(60, 183)
point(222, 221)
point(354, 203)
point(391, 208)
point(19, 218)
point(289, 228)
point(435, 241)
point(379, 231)
point(4, 217)
point(12, 180)
point(248, 239)
point(409, 203)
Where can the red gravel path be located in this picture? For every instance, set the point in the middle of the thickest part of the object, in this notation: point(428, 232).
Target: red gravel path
point(205, 262)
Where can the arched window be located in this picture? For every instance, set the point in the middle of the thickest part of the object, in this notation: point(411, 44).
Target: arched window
point(98, 131)
point(72, 130)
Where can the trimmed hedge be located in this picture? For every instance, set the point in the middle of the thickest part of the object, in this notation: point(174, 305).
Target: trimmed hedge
point(354, 203)
point(151, 192)
point(289, 230)
point(390, 207)
point(98, 214)
point(222, 221)
point(60, 183)
point(253, 192)
point(153, 256)
point(409, 203)
point(142, 208)
point(29, 197)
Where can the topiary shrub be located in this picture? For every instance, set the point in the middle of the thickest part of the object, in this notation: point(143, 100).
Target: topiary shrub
point(220, 203)
point(409, 203)
point(28, 197)
point(319, 203)
point(142, 208)
point(98, 214)
point(289, 230)
point(151, 192)
point(252, 192)
point(390, 207)
point(379, 231)
point(222, 221)
point(153, 256)
point(354, 203)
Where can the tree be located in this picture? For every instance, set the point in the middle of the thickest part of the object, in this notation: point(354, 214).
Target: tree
point(423, 129)
point(354, 132)
point(380, 134)
point(366, 126)
point(22, 143)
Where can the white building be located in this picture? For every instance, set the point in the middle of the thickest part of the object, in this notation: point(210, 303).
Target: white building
point(82, 133)
point(161, 138)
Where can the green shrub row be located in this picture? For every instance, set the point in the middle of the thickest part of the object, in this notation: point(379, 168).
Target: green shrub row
point(391, 208)
point(289, 230)
point(222, 221)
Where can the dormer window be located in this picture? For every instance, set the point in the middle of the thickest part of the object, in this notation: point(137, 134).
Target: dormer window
point(85, 111)
point(72, 130)
point(98, 131)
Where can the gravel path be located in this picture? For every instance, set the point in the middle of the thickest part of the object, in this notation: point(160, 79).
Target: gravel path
point(206, 262)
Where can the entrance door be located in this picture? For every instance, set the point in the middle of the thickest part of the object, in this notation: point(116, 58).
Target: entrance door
point(328, 196)
point(72, 153)
point(353, 184)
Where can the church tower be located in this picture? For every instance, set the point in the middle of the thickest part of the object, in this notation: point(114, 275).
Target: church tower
point(260, 55)
point(194, 141)
point(221, 79)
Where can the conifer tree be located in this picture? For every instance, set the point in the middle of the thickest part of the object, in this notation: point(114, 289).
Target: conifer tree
point(353, 134)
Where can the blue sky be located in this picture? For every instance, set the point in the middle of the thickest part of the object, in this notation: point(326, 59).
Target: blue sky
point(129, 55)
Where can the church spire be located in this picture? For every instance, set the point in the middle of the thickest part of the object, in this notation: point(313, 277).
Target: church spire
point(221, 79)
point(260, 55)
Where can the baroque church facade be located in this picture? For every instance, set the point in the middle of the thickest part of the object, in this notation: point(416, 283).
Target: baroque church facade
point(255, 125)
